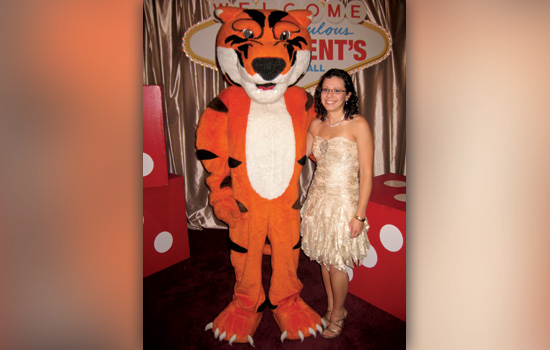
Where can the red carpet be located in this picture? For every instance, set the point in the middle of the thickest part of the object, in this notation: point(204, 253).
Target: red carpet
point(179, 301)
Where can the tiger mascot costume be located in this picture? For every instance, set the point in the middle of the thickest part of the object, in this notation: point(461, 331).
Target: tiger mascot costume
point(252, 140)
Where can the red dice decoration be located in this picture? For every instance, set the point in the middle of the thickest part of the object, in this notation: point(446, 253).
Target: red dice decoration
point(381, 278)
point(155, 169)
point(165, 236)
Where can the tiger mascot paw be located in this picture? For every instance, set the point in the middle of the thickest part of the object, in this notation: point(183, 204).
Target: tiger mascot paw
point(235, 325)
point(297, 320)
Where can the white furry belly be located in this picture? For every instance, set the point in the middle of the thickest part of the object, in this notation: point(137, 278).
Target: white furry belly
point(270, 148)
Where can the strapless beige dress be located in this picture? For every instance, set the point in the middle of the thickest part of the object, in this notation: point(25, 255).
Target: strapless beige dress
point(331, 203)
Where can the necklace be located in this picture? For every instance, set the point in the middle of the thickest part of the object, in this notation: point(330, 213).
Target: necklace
point(337, 123)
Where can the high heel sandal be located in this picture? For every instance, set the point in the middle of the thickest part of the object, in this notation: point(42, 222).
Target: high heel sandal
point(326, 318)
point(335, 332)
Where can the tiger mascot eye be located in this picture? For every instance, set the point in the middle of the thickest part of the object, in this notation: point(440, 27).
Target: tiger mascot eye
point(252, 140)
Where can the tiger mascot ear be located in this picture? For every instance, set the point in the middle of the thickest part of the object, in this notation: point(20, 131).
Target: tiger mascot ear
point(225, 14)
point(263, 51)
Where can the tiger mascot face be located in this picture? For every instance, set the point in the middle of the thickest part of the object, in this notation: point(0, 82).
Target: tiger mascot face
point(264, 51)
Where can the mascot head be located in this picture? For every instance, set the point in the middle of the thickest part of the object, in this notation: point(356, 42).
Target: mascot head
point(264, 51)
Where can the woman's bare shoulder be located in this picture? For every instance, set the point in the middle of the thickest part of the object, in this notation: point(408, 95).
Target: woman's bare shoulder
point(359, 119)
point(359, 127)
point(314, 126)
point(316, 121)
point(359, 122)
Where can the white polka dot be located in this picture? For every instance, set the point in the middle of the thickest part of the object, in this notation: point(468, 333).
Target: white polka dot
point(391, 238)
point(350, 272)
point(402, 197)
point(371, 259)
point(148, 164)
point(163, 242)
point(395, 183)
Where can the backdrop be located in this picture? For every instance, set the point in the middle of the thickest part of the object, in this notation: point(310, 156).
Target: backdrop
point(188, 88)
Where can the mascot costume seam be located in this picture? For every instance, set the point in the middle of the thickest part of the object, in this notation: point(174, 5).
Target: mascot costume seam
point(252, 140)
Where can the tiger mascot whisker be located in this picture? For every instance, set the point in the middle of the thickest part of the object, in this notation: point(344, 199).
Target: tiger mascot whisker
point(252, 140)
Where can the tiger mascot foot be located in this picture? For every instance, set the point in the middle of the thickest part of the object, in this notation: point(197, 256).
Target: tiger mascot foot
point(236, 325)
point(297, 320)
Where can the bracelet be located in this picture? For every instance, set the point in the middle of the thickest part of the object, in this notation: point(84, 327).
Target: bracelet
point(360, 218)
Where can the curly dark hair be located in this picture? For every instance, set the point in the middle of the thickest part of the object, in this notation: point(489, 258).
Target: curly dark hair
point(350, 107)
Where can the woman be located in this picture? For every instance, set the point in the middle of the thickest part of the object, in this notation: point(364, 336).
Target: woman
point(334, 226)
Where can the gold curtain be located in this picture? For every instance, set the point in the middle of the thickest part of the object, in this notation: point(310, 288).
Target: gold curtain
point(188, 88)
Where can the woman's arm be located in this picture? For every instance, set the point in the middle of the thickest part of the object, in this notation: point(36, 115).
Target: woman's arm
point(365, 148)
point(309, 144)
point(311, 132)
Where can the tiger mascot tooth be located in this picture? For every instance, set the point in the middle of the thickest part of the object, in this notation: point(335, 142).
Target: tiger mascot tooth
point(252, 140)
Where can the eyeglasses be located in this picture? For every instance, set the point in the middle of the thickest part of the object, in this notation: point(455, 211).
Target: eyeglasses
point(333, 91)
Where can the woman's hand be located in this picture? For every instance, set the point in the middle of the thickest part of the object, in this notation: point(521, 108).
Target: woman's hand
point(355, 227)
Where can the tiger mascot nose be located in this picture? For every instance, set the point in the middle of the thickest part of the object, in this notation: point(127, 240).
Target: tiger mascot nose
point(268, 67)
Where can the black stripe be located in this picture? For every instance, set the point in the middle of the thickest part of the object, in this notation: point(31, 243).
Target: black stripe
point(203, 154)
point(256, 16)
point(234, 246)
point(302, 160)
point(244, 50)
point(234, 39)
point(217, 105)
point(226, 182)
point(291, 48)
point(296, 41)
point(275, 17)
point(309, 102)
point(264, 304)
point(241, 206)
point(291, 56)
point(233, 163)
point(229, 80)
point(298, 245)
point(301, 76)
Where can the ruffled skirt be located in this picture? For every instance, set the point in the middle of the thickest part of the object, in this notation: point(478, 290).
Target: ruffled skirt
point(326, 215)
